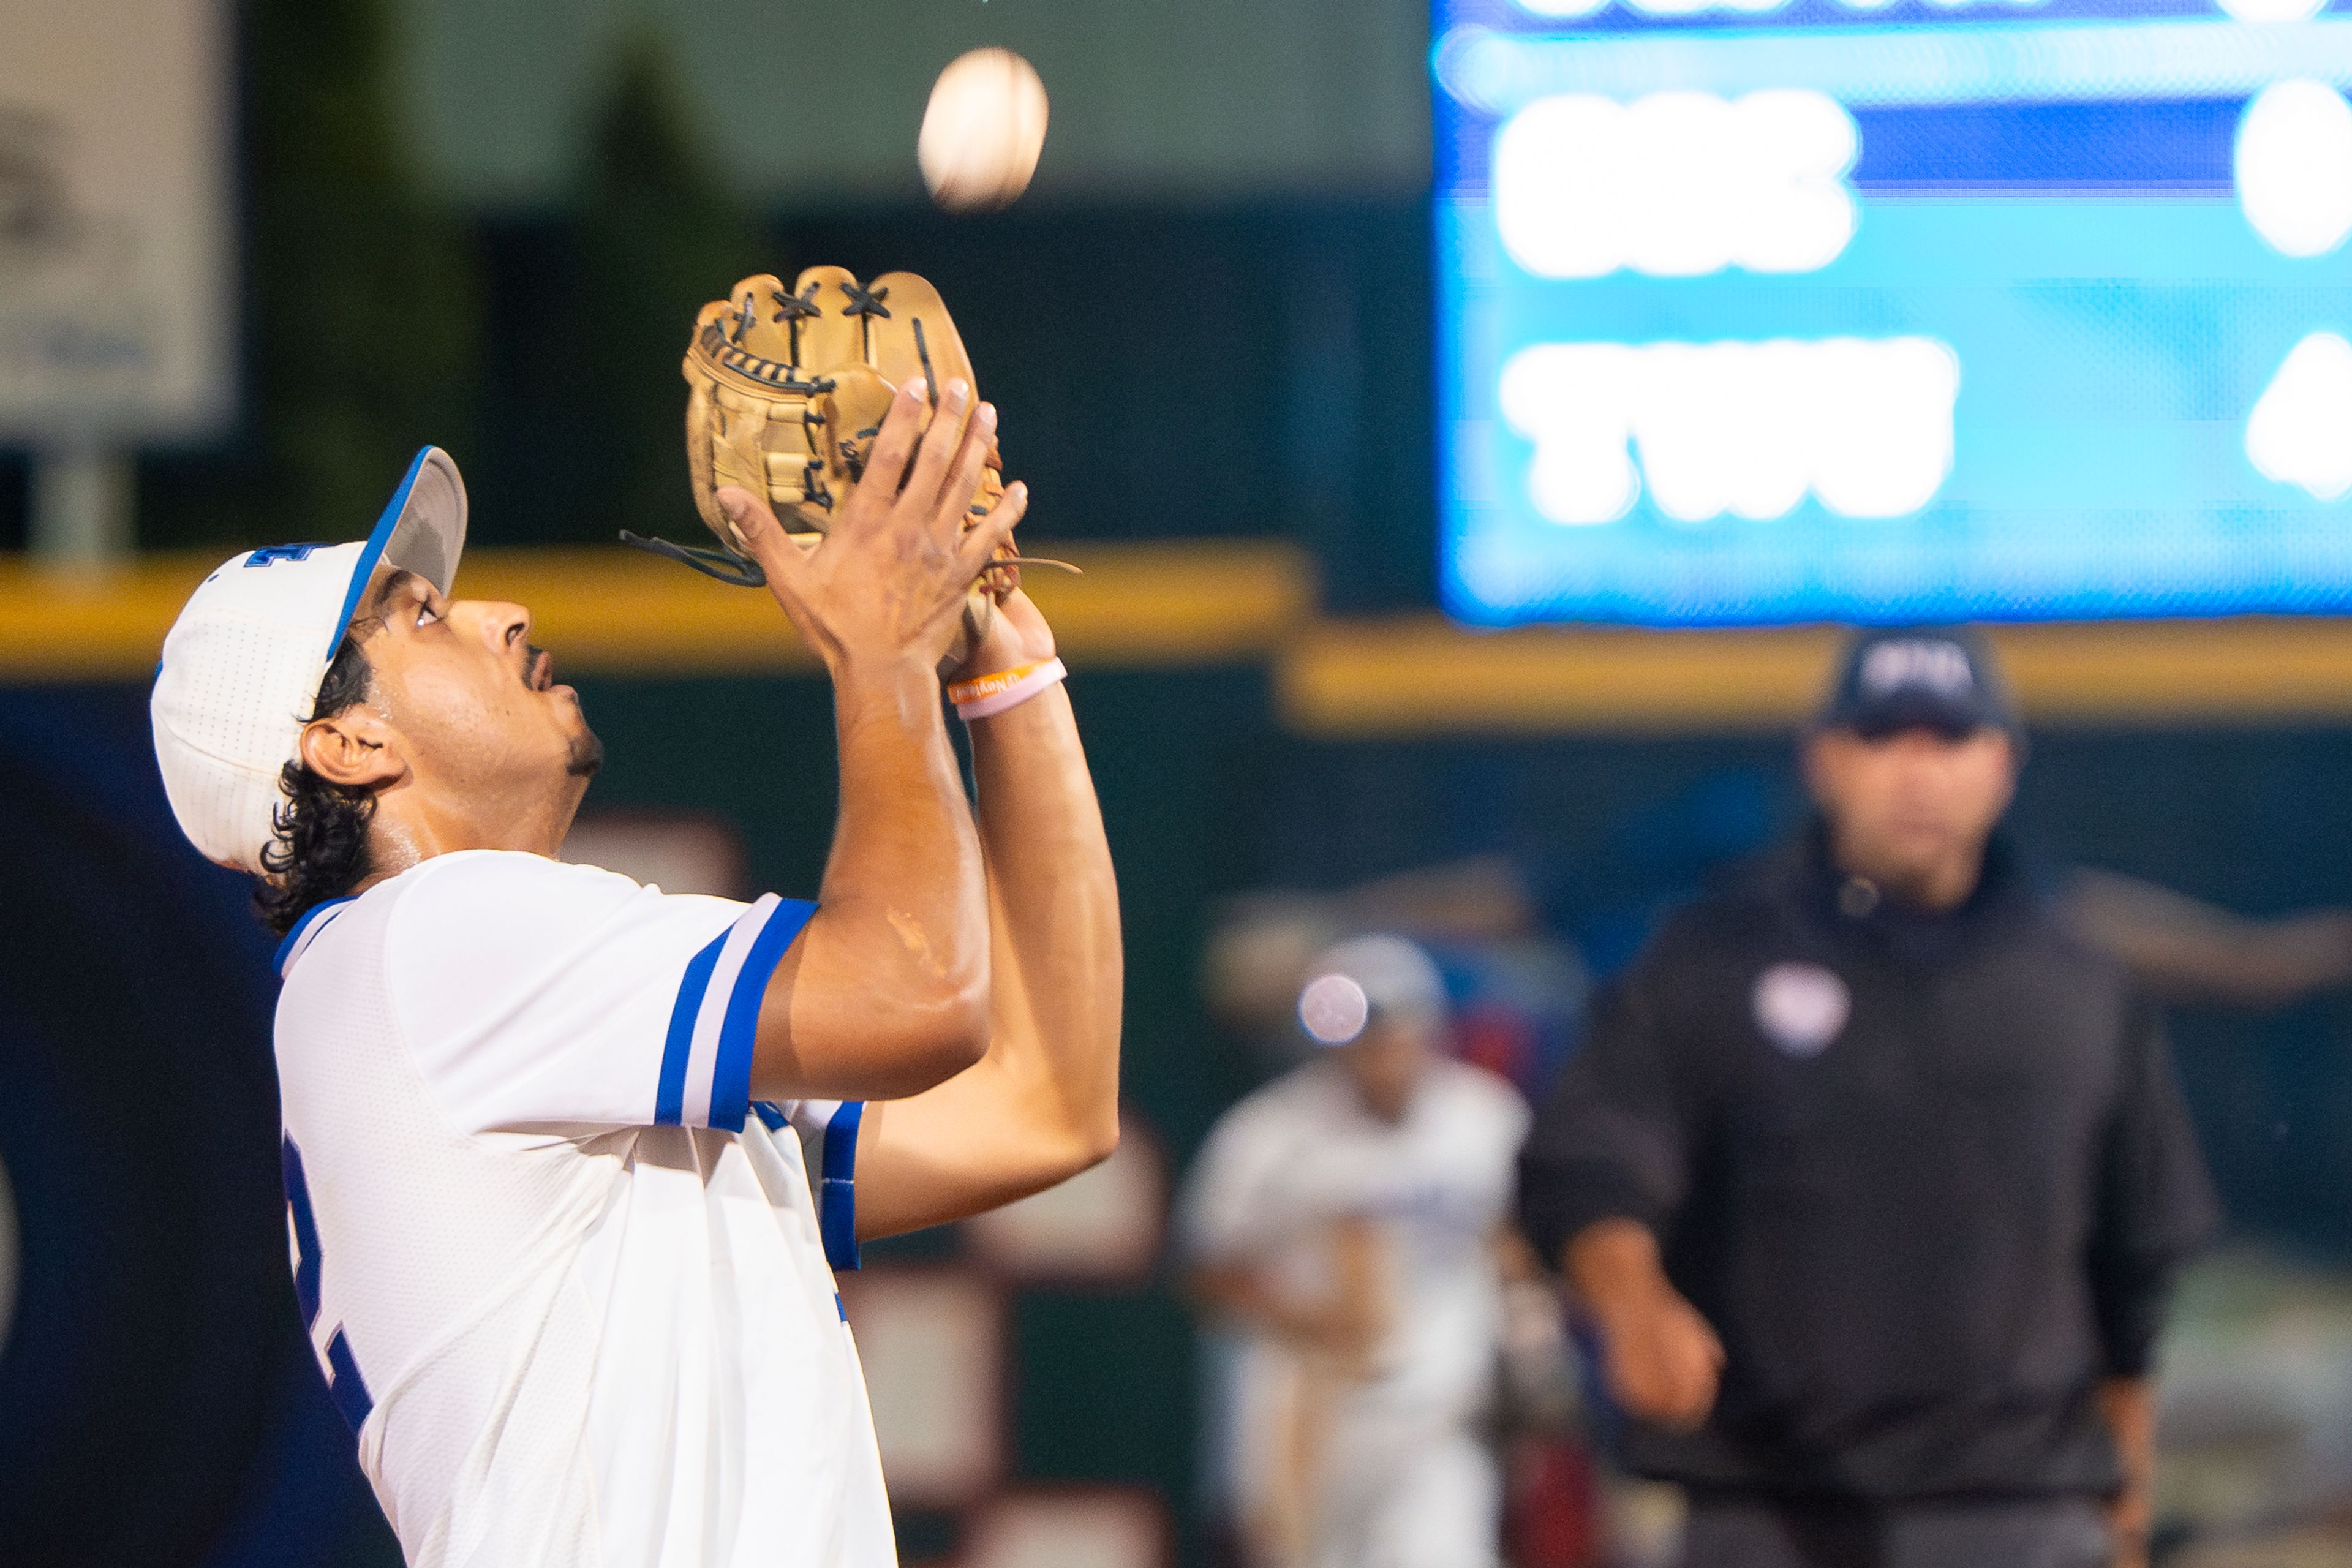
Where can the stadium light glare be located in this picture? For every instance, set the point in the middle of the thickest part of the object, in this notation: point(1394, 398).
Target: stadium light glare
point(1675, 185)
point(1863, 425)
point(2300, 432)
point(2293, 167)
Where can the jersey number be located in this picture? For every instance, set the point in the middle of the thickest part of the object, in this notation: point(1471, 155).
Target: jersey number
point(344, 1385)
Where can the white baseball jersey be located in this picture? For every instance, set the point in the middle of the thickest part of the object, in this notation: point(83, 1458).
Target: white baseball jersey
point(1287, 1162)
point(1402, 1483)
point(571, 1285)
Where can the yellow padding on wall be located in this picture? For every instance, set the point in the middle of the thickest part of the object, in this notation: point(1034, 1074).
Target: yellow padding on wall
point(1422, 676)
point(619, 612)
point(1177, 602)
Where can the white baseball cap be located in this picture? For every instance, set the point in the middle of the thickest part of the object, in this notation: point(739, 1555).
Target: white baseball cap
point(243, 664)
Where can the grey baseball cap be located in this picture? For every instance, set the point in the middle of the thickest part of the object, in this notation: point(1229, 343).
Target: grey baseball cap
point(1900, 678)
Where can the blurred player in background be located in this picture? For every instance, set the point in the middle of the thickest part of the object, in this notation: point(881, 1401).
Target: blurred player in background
point(570, 1162)
point(1874, 1176)
point(1346, 1225)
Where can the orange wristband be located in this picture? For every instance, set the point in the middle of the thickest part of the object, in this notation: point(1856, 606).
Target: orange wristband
point(986, 694)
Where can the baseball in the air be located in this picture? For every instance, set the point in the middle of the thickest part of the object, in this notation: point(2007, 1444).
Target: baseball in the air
point(982, 133)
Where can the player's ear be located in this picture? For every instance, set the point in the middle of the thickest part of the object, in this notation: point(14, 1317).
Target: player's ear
point(356, 747)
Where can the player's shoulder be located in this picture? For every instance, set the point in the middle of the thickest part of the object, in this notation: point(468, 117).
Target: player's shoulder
point(1477, 1093)
point(1278, 1112)
point(501, 876)
point(468, 898)
point(495, 904)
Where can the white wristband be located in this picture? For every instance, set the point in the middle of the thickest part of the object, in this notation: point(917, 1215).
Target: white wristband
point(994, 694)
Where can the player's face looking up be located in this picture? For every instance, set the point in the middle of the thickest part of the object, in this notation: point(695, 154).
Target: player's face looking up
point(465, 736)
point(1912, 810)
point(1388, 1059)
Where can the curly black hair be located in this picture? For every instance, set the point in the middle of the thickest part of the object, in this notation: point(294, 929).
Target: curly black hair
point(319, 848)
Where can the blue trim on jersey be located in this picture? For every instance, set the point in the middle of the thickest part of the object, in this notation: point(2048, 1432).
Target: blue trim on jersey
point(841, 1142)
point(302, 929)
point(669, 1097)
point(370, 553)
point(344, 1385)
point(306, 1228)
point(838, 1193)
point(769, 1117)
point(730, 1076)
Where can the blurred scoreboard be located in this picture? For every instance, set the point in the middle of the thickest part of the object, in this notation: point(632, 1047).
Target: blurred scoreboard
point(1757, 310)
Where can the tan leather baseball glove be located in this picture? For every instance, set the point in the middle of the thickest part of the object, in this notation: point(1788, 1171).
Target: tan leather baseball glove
point(787, 392)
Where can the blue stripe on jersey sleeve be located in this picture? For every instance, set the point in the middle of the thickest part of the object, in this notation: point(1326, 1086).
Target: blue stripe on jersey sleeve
point(669, 1098)
point(730, 1076)
point(837, 1193)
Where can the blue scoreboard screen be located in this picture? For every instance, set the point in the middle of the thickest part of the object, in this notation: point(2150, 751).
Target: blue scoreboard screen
point(1757, 310)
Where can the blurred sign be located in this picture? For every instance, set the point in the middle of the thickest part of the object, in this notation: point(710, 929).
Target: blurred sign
point(1797, 310)
point(1070, 1527)
point(117, 292)
point(932, 1343)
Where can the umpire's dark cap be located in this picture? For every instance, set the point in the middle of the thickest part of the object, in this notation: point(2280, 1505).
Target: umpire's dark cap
point(1892, 679)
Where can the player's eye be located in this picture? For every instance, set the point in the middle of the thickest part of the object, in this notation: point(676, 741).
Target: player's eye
point(425, 614)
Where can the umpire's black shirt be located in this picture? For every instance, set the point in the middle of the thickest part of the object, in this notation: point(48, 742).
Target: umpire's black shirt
point(1928, 1176)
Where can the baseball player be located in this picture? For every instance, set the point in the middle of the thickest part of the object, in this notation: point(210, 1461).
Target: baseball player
point(570, 1162)
point(1344, 1223)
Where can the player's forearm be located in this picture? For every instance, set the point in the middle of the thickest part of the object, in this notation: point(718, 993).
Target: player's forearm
point(1235, 1294)
point(2128, 1405)
point(1055, 1024)
point(1615, 1271)
point(889, 992)
point(1042, 1104)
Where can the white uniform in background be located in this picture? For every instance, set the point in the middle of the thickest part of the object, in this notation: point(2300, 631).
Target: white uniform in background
point(572, 1288)
point(1402, 1477)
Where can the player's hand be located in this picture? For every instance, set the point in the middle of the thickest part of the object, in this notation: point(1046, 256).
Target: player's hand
point(2129, 1519)
point(1663, 1362)
point(1017, 636)
point(1344, 1336)
point(887, 582)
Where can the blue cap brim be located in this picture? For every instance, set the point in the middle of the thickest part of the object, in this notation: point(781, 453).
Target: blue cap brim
point(422, 527)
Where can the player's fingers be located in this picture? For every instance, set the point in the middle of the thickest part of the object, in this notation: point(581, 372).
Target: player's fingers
point(902, 427)
point(962, 487)
point(940, 445)
point(764, 540)
point(979, 545)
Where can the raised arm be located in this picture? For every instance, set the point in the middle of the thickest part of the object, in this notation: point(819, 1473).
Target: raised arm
point(1042, 1104)
point(885, 990)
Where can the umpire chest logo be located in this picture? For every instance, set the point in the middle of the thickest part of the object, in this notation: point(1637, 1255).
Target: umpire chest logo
point(1802, 1008)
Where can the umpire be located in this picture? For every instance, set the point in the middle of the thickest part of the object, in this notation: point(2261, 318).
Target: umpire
point(1873, 1181)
